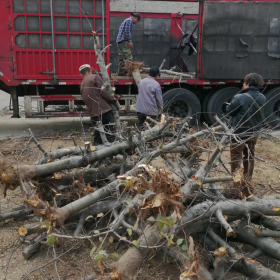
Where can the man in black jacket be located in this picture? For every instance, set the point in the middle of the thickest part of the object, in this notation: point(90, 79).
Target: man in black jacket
point(247, 119)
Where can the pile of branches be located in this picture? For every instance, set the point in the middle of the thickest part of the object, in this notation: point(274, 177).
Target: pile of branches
point(113, 192)
point(171, 209)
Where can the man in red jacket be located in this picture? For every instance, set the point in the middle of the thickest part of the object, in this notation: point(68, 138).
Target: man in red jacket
point(97, 100)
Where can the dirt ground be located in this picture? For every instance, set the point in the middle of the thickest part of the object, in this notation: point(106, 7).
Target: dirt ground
point(77, 263)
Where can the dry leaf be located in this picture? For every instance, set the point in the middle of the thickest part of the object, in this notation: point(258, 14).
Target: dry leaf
point(5, 177)
point(111, 239)
point(102, 269)
point(90, 189)
point(276, 208)
point(57, 176)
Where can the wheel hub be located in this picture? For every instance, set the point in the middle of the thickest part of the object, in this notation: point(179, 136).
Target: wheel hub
point(178, 109)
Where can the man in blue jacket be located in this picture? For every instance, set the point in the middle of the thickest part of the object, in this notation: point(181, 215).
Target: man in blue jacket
point(124, 41)
point(247, 119)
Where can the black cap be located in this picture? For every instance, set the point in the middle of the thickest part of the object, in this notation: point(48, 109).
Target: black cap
point(154, 71)
point(136, 15)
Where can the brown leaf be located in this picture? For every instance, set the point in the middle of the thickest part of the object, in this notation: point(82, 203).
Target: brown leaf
point(220, 252)
point(5, 177)
point(276, 208)
point(57, 176)
point(34, 200)
point(50, 159)
point(90, 189)
point(219, 147)
point(252, 261)
point(102, 269)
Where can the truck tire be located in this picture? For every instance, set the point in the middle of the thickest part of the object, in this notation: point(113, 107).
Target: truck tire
point(205, 104)
point(182, 103)
point(272, 107)
point(216, 104)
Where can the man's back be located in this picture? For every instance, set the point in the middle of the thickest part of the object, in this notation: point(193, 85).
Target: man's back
point(149, 100)
point(125, 30)
point(246, 113)
point(92, 96)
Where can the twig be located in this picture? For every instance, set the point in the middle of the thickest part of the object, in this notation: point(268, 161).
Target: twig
point(8, 264)
point(211, 132)
point(24, 277)
point(224, 223)
point(106, 49)
point(273, 189)
point(36, 142)
point(55, 265)
point(259, 158)
point(162, 64)
point(74, 141)
point(108, 66)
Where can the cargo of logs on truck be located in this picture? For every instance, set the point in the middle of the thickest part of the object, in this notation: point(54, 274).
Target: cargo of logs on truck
point(192, 203)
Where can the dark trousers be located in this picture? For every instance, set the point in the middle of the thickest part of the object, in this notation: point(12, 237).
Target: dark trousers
point(243, 152)
point(142, 118)
point(105, 119)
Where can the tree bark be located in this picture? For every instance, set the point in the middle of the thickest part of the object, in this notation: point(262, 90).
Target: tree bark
point(106, 79)
point(131, 261)
point(30, 250)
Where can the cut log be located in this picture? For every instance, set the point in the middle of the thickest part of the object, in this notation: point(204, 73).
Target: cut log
point(31, 229)
point(13, 214)
point(30, 250)
point(131, 261)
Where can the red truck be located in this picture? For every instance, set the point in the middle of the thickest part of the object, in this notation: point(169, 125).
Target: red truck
point(43, 43)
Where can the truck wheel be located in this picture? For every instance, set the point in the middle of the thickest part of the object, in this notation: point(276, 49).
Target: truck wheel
point(217, 103)
point(272, 107)
point(182, 103)
point(205, 103)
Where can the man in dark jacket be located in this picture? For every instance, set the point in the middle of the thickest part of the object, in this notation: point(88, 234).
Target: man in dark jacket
point(97, 100)
point(247, 119)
